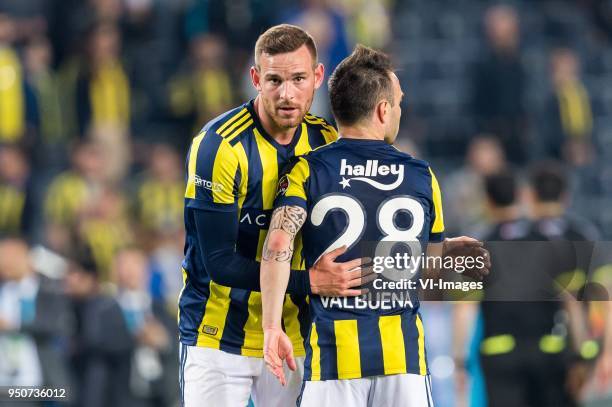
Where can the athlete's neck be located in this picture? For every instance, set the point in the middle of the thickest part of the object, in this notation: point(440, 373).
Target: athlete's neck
point(361, 132)
point(280, 135)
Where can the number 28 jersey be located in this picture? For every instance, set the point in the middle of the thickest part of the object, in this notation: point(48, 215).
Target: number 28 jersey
point(357, 192)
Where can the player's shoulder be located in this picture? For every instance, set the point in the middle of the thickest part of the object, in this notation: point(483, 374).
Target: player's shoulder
point(315, 121)
point(229, 126)
point(318, 124)
point(321, 153)
point(224, 131)
point(419, 172)
point(308, 162)
point(221, 124)
point(412, 162)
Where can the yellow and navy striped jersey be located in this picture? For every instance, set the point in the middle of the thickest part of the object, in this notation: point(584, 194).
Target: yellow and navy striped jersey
point(12, 205)
point(12, 97)
point(159, 205)
point(234, 165)
point(66, 197)
point(109, 96)
point(105, 237)
point(361, 193)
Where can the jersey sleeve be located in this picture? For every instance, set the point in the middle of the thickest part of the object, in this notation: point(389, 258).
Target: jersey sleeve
point(213, 174)
point(329, 132)
point(292, 186)
point(325, 129)
point(436, 232)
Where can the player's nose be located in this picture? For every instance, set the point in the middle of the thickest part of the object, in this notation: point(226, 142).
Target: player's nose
point(287, 91)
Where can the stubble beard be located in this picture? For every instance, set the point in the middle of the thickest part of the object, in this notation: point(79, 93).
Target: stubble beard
point(283, 124)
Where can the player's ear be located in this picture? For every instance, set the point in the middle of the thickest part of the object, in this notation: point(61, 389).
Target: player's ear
point(256, 78)
point(382, 110)
point(319, 73)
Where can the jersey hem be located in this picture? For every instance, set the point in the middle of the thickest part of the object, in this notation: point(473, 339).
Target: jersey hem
point(361, 375)
point(298, 351)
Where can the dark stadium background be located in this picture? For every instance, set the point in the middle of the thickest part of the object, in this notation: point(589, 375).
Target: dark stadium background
point(99, 100)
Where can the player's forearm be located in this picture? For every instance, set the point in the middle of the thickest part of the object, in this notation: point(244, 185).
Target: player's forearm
point(230, 269)
point(217, 235)
point(276, 262)
point(274, 278)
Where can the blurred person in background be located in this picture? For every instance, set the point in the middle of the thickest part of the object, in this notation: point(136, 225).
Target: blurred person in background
point(368, 22)
point(69, 193)
point(154, 361)
point(153, 52)
point(13, 124)
point(237, 21)
point(110, 11)
point(104, 226)
point(33, 322)
point(98, 83)
point(103, 96)
point(116, 148)
point(548, 200)
point(29, 16)
point(158, 205)
point(507, 223)
point(204, 91)
point(51, 149)
point(166, 283)
point(101, 344)
point(499, 83)
point(532, 328)
point(18, 212)
point(327, 23)
point(68, 21)
point(569, 119)
point(464, 188)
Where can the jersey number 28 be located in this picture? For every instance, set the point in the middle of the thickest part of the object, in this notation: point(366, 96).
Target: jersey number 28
point(385, 219)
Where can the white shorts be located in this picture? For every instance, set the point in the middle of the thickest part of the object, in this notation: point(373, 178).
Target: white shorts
point(211, 377)
point(405, 390)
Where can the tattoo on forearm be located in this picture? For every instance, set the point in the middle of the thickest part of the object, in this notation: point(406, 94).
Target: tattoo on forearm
point(289, 219)
point(277, 255)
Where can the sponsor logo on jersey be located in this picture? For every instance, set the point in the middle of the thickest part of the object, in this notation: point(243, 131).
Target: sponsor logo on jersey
point(371, 169)
point(210, 330)
point(254, 219)
point(283, 184)
point(206, 184)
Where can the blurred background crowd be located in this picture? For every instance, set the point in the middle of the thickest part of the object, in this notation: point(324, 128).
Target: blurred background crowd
point(99, 100)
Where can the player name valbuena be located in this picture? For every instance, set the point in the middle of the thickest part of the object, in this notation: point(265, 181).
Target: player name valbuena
point(372, 300)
